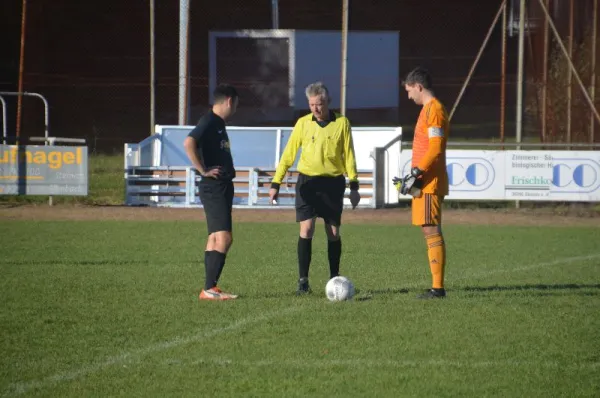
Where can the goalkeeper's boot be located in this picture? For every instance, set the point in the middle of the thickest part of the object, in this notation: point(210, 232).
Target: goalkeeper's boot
point(303, 287)
point(433, 293)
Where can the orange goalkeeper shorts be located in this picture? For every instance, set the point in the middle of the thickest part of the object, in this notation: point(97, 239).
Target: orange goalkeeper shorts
point(427, 209)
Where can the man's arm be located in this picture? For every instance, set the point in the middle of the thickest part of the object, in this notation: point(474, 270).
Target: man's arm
point(190, 146)
point(288, 156)
point(350, 157)
point(350, 165)
point(191, 143)
point(437, 139)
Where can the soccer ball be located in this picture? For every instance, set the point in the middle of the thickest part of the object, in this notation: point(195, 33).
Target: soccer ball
point(339, 288)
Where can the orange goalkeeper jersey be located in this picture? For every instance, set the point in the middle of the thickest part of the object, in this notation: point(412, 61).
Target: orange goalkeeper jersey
point(429, 147)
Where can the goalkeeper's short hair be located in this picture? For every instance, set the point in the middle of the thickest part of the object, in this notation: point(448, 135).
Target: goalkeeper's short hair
point(420, 76)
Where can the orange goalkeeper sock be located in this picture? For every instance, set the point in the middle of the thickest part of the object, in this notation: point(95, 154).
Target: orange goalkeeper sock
point(436, 251)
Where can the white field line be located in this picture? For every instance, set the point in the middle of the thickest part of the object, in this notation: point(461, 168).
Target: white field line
point(385, 363)
point(529, 267)
point(133, 356)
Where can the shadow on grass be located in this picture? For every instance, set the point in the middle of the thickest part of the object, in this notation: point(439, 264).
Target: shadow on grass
point(360, 295)
point(537, 289)
point(368, 294)
point(560, 286)
point(71, 262)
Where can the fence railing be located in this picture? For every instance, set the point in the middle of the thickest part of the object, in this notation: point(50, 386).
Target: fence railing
point(177, 186)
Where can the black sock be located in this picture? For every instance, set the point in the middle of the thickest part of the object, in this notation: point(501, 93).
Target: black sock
point(221, 262)
point(334, 252)
point(211, 269)
point(304, 256)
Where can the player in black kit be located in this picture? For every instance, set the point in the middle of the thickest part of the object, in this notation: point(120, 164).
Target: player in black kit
point(207, 146)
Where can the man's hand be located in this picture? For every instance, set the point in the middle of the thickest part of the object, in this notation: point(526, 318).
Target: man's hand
point(405, 184)
point(213, 172)
point(354, 198)
point(273, 194)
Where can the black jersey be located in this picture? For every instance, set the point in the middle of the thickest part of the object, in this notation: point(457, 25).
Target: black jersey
point(213, 144)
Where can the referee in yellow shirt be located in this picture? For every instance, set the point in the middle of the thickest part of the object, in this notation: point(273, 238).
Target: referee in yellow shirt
point(327, 154)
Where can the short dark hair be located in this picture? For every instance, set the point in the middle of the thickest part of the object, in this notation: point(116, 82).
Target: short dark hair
point(420, 76)
point(224, 91)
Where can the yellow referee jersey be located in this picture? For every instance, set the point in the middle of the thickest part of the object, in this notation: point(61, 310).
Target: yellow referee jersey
point(327, 149)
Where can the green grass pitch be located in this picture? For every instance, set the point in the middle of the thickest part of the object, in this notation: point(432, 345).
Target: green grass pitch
point(110, 309)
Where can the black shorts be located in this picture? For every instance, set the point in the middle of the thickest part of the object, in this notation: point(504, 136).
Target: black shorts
point(320, 197)
point(217, 198)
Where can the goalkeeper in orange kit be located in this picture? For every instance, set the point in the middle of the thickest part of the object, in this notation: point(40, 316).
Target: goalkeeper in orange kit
point(427, 181)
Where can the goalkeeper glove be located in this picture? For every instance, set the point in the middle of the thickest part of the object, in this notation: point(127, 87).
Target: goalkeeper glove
point(404, 185)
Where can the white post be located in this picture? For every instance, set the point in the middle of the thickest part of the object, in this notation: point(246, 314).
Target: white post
point(184, 19)
point(189, 177)
point(569, 72)
point(520, 73)
point(252, 186)
point(345, 11)
point(152, 78)
point(545, 79)
point(277, 147)
point(593, 68)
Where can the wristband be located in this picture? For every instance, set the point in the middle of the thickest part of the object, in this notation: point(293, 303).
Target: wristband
point(416, 172)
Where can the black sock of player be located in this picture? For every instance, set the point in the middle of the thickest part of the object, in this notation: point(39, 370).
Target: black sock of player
point(304, 256)
point(221, 263)
point(334, 252)
point(211, 268)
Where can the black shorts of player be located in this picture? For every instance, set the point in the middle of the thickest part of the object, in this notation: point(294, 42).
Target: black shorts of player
point(320, 197)
point(217, 198)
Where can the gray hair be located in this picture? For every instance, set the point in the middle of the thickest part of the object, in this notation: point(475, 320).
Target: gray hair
point(317, 89)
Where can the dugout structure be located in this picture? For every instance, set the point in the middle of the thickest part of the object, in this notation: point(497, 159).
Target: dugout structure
point(158, 172)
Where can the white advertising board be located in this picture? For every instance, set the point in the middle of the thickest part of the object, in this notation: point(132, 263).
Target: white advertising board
point(520, 175)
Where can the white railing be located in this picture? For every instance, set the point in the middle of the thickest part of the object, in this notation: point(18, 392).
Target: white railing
point(177, 186)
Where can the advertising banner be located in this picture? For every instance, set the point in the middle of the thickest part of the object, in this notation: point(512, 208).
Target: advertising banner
point(43, 170)
point(520, 175)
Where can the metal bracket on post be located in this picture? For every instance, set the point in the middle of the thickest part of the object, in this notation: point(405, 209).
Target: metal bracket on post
point(4, 132)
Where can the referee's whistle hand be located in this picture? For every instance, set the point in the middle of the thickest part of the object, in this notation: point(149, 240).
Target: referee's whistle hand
point(273, 196)
point(354, 198)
